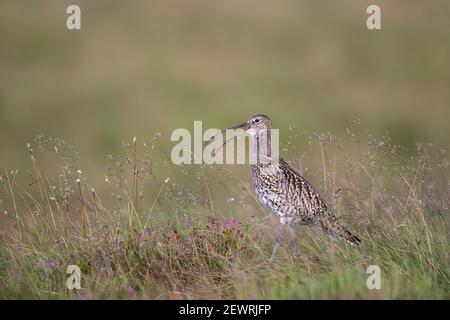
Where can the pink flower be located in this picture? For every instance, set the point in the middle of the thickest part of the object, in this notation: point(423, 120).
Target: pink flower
point(214, 223)
point(231, 223)
point(104, 235)
point(190, 238)
point(53, 263)
point(130, 290)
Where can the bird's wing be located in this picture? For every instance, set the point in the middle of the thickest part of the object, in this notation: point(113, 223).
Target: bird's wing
point(312, 205)
point(307, 195)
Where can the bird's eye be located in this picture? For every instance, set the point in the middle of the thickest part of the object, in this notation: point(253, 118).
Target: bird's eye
point(256, 120)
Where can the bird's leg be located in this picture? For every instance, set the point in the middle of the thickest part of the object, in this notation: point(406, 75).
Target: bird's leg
point(279, 235)
point(293, 239)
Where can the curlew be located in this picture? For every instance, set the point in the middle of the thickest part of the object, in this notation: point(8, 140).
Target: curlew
point(284, 191)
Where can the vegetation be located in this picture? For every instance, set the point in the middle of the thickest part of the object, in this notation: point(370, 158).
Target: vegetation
point(144, 228)
point(184, 244)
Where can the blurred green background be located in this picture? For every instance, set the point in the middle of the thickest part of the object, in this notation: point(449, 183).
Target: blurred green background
point(141, 67)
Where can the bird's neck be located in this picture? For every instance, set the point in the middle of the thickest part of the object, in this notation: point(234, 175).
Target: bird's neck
point(261, 151)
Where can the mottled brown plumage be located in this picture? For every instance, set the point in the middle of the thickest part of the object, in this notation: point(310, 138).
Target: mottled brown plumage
point(284, 191)
point(290, 196)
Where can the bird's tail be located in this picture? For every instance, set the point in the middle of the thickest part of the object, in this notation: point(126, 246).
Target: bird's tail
point(350, 238)
point(336, 230)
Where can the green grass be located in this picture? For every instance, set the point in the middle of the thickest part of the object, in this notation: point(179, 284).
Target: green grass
point(190, 242)
point(146, 67)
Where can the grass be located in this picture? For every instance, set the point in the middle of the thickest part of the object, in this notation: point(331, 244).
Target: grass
point(147, 66)
point(201, 234)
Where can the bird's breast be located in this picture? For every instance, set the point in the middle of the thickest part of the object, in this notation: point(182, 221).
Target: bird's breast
point(267, 188)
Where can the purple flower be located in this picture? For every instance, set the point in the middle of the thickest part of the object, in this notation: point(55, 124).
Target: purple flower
point(230, 224)
point(104, 235)
point(190, 238)
point(240, 233)
point(53, 263)
point(130, 290)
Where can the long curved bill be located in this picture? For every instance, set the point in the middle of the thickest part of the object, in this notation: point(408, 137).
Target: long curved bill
point(242, 126)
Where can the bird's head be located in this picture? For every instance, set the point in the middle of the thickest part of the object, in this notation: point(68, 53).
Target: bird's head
point(254, 124)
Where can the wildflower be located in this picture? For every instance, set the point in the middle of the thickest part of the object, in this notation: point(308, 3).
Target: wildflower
point(104, 235)
point(53, 263)
point(190, 238)
point(214, 223)
point(130, 290)
point(231, 223)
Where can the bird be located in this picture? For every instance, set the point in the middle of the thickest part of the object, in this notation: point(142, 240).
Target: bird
point(284, 191)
